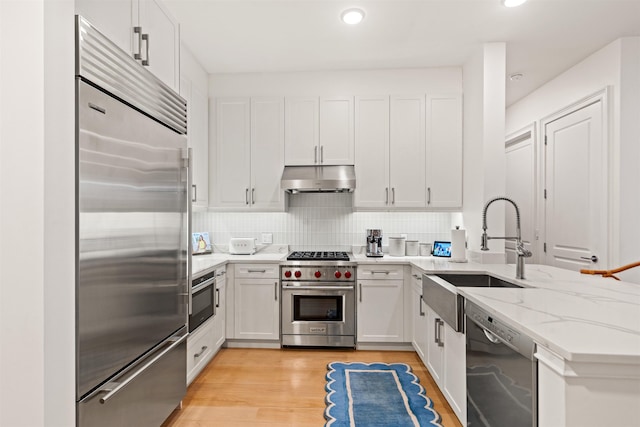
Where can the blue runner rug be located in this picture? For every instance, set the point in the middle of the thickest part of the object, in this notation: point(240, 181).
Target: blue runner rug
point(376, 394)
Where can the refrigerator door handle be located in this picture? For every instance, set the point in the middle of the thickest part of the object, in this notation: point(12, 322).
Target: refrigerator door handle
point(114, 387)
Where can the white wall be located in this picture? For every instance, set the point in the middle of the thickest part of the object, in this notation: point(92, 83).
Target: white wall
point(326, 83)
point(484, 158)
point(616, 66)
point(21, 213)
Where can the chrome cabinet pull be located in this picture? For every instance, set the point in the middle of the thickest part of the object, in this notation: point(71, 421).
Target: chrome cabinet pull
point(246, 196)
point(276, 293)
point(429, 195)
point(393, 195)
point(360, 291)
point(416, 276)
point(440, 323)
point(386, 196)
point(138, 31)
point(592, 258)
point(204, 348)
point(322, 154)
point(435, 332)
point(256, 271)
point(194, 197)
point(253, 196)
point(217, 298)
point(315, 154)
point(145, 37)
point(420, 306)
point(380, 272)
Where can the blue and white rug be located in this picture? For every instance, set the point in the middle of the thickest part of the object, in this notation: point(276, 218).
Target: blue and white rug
point(376, 394)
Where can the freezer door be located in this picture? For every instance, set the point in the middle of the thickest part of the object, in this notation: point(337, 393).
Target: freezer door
point(131, 226)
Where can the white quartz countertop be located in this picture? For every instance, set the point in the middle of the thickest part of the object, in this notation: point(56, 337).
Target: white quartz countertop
point(581, 318)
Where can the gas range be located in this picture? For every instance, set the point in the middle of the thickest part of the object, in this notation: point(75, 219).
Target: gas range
point(318, 256)
point(318, 267)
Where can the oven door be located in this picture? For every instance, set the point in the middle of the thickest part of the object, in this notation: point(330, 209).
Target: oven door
point(203, 304)
point(312, 309)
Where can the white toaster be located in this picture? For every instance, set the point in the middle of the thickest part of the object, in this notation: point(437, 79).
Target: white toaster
point(242, 246)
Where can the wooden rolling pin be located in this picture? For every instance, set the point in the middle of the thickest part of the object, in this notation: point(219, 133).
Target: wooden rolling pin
point(610, 273)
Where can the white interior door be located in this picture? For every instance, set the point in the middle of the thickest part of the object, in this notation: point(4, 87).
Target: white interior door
point(520, 187)
point(576, 200)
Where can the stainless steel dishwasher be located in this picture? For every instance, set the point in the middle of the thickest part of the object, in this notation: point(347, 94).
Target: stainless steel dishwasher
point(501, 372)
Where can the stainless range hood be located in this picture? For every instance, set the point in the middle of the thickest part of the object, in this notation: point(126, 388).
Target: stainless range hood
point(318, 179)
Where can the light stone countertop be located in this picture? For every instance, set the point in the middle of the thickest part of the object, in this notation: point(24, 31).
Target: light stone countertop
point(581, 318)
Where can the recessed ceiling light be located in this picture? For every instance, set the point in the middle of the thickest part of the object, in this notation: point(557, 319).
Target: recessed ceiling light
point(512, 3)
point(352, 16)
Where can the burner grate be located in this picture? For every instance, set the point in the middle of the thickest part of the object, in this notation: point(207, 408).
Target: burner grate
point(318, 256)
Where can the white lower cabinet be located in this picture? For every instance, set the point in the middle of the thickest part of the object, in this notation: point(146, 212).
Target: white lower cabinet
point(219, 321)
point(200, 349)
point(256, 302)
point(380, 307)
point(446, 354)
point(419, 317)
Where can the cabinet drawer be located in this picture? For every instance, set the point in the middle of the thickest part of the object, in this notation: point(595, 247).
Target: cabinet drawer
point(380, 272)
point(257, 271)
point(416, 278)
point(200, 347)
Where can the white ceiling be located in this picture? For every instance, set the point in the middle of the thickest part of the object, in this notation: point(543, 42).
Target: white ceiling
point(543, 37)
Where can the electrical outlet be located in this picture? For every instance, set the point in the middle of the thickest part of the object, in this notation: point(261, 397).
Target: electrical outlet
point(267, 238)
point(403, 235)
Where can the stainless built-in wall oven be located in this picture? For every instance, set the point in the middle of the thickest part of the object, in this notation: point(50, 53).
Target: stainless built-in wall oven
point(318, 300)
point(203, 298)
point(502, 372)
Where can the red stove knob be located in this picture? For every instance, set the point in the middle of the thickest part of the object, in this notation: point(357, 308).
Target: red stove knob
point(287, 274)
point(347, 274)
point(298, 274)
point(317, 274)
point(338, 275)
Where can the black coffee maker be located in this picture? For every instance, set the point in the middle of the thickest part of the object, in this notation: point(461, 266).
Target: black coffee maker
point(374, 242)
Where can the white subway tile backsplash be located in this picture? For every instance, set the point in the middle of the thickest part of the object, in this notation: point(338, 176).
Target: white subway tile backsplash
point(323, 222)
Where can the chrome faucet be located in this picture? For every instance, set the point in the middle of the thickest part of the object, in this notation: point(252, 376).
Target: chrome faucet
point(521, 252)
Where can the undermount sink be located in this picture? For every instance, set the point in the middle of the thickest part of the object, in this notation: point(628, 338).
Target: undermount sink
point(476, 281)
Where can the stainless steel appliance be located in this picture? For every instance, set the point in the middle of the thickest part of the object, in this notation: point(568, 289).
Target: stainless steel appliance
point(203, 298)
point(131, 238)
point(501, 372)
point(374, 243)
point(318, 179)
point(318, 303)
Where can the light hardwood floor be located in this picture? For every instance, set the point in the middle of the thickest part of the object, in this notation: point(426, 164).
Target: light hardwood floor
point(258, 387)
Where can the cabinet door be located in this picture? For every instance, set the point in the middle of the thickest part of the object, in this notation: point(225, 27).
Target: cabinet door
point(163, 42)
point(257, 309)
point(434, 350)
point(267, 153)
point(219, 321)
point(115, 19)
point(380, 311)
point(407, 152)
point(444, 151)
point(233, 152)
point(302, 134)
point(455, 380)
point(419, 316)
point(336, 131)
point(372, 152)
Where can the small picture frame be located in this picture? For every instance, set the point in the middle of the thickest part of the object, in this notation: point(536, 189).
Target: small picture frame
point(442, 249)
point(200, 243)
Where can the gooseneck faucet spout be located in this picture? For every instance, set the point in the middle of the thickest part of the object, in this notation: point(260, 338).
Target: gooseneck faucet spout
point(521, 252)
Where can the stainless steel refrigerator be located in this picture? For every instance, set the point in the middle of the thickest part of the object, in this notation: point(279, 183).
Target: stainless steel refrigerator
point(132, 224)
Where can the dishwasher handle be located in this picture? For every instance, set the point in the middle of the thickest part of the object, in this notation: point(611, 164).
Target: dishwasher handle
point(495, 339)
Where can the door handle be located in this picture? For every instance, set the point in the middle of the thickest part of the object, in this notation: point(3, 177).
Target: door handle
point(360, 291)
point(217, 298)
point(420, 306)
point(322, 154)
point(145, 37)
point(246, 196)
point(315, 154)
point(393, 195)
point(138, 31)
point(429, 195)
point(386, 196)
point(440, 342)
point(253, 196)
point(436, 331)
point(592, 258)
point(276, 291)
point(194, 197)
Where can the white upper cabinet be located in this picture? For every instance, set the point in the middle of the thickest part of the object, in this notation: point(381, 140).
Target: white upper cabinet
point(249, 155)
point(319, 131)
point(144, 28)
point(444, 151)
point(336, 131)
point(267, 152)
point(372, 152)
point(194, 88)
point(407, 152)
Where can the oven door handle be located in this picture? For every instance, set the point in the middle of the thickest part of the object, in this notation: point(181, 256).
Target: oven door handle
point(203, 285)
point(319, 288)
